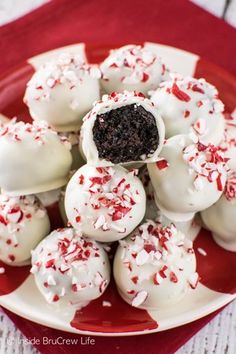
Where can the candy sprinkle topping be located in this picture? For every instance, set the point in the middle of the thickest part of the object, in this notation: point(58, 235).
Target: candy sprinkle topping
point(63, 261)
point(68, 69)
point(193, 91)
point(110, 195)
point(207, 161)
point(230, 187)
point(137, 63)
point(38, 132)
point(164, 248)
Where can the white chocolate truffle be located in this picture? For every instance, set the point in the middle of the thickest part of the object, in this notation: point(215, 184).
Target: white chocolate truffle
point(70, 269)
point(62, 211)
point(62, 91)
point(151, 207)
point(189, 228)
point(189, 104)
point(33, 158)
point(61, 202)
point(155, 266)
point(106, 204)
point(23, 223)
point(189, 177)
point(50, 197)
point(228, 145)
point(220, 218)
point(132, 67)
point(77, 158)
point(120, 129)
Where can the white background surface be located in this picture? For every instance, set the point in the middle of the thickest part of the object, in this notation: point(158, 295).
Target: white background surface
point(219, 336)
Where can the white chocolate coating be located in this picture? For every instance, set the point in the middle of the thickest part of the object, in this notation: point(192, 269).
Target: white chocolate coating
point(190, 105)
point(33, 158)
point(77, 158)
point(106, 204)
point(62, 91)
point(132, 67)
point(155, 266)
point(70, 269)
point(50, 197)
point(23, 224)
point(220, 218)
point(188, 177)
point(189, 228)
point(107, 104)
point(61, 204)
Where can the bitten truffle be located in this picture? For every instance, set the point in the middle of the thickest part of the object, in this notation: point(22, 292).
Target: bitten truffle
point(120, 129)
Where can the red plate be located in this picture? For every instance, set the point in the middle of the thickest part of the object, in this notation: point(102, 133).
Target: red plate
point(18, 292)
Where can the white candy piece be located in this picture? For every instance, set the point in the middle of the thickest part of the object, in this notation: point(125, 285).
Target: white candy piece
point(220, 218)
point(189, 228)
point(110, 103)
point(190, 105)
point(23, 223)
point(155, 266)
point(70, 269)
point(33, 158)
point(62, 91)
point(106, 204)
point(189, 177)
point(132, 67)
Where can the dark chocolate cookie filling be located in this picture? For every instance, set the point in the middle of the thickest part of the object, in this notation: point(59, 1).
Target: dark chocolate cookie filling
point(125, 134)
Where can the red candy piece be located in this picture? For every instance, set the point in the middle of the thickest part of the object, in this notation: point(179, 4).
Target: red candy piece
point(181, 95)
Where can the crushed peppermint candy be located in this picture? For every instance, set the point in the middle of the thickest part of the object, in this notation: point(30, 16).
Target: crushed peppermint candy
point(230, 187)
point(208, 162)
point(15, 212)
point(139, 298)
point(135, 63)
point(189, 90)
point(109, 195)
point(229, 141)
point(200, 126)
point(67, 69)
point(193, 280)
point(162, 247)
point(38, 131)
point(162, 164)
point(202, 251)
point(66, 263)
point(72, 138)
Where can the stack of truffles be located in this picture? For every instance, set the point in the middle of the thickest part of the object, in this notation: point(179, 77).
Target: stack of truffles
point(133, 165)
